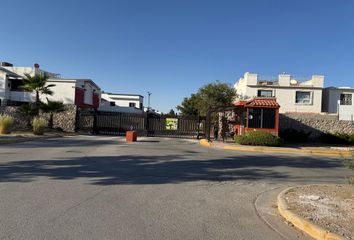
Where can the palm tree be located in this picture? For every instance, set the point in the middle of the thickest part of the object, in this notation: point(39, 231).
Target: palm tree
point(52, 107)
point(28, 111)
point(37, 84)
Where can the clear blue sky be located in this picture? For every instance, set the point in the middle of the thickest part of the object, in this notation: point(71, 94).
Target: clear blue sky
point(172, 47)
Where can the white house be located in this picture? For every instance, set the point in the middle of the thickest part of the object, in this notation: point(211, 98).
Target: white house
point(339, 100)
point(81, 92)
point(117, 102)
point(291, 94)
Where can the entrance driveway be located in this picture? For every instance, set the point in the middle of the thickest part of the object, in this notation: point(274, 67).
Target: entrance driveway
point(96, 187)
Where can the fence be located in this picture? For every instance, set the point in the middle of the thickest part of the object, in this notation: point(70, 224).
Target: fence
point(113, 123)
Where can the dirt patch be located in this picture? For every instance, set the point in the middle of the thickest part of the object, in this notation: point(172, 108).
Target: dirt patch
point(329, 206)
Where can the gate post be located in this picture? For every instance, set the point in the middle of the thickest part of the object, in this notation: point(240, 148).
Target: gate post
point(77, 119)
point(147, 122)
point(198, 128)
point(94, 127)
point(207, 124)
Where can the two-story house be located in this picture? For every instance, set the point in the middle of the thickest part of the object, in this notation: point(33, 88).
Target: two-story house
point(291, 94)
point(80, 92)
point(118, 102)
point(339, 100)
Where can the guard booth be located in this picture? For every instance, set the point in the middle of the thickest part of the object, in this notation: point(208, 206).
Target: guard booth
point(257, 114)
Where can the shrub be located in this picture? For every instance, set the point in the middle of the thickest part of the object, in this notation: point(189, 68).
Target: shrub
point(39, 125)
point(337, 138)
point(258, 138)
point(293, 135)
point(351, 138)
point(6, 124)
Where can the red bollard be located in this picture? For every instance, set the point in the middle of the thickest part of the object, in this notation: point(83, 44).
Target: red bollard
point(130, 136)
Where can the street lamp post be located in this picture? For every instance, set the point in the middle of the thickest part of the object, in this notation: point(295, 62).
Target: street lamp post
point(149, 93)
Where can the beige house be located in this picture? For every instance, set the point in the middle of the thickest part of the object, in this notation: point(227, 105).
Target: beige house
point(291, 94)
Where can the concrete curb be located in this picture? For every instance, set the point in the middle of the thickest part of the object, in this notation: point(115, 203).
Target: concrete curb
point(28, 139)
point(304, 225)
point(205, 142)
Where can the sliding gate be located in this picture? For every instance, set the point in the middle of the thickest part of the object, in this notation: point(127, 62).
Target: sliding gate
point(152, 125)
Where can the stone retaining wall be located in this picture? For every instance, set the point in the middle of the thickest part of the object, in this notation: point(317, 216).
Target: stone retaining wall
point(65, 120)
point(317, 124)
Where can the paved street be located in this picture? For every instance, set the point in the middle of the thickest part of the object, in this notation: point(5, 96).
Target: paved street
point(98, 187)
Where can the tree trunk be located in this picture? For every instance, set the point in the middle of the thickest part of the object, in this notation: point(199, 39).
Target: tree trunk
point(37, 101)
point(50, 122)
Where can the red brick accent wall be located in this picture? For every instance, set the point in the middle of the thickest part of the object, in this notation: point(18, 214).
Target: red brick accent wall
point(79, 97)
point(95, 100)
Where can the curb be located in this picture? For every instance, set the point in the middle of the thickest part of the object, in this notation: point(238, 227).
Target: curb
point(24, 139)
point(205, 143)
point(304, 225)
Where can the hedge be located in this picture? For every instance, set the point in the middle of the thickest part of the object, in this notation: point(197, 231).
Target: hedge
point(258, 138)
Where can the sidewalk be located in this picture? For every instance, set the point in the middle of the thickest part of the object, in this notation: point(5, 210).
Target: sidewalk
point(323, 211)
point(320, 150)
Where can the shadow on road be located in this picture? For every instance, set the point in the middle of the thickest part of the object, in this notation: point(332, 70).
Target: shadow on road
point(157, 169)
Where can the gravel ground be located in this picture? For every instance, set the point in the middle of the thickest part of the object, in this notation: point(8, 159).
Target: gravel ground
point(329, 206)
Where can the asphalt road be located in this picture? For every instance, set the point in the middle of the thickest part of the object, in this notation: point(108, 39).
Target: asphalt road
point(90, 187)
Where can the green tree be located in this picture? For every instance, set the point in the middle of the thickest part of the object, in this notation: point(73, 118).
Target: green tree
point(215, 94)
point(52, 107)
point(171, 114)
point(189, 106)
point(212, 94)
point(37, 84)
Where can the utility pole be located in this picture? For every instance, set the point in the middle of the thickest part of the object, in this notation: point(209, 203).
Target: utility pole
point(149, 93)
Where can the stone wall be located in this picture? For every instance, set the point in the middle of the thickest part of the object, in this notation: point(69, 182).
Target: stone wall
point(317, 124)
point(20, 122)
point(65, 120)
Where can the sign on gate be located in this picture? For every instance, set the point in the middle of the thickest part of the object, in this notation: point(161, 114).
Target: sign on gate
point(171, 123)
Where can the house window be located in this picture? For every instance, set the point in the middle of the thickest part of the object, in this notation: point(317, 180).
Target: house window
point(265, 93)
point(131, 104)
point(261, 118)
point(303, 97)
point(345, 99)
point(16, 85)
point(141, 106)
point(112, 103)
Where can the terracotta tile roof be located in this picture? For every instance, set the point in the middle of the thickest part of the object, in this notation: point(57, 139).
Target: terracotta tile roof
point(240, 103)
point(259, 102)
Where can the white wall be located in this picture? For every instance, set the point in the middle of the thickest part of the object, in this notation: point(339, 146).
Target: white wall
point(90, 88)
point(286, 98)
point(22, 71)
point(108, 108)
point(21, 96)
point(64, 91)
point(346, 112)
point(123, 100)
point(3, 84)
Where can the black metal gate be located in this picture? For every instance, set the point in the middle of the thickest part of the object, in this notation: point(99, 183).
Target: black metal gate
point(152, 125)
